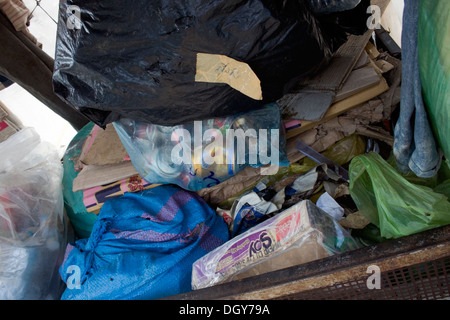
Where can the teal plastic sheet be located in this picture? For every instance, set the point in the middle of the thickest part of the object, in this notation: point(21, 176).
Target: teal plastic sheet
point(81, 220)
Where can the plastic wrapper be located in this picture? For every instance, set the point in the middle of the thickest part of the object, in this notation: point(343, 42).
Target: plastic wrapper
point(205, 153)
point(169, 63)
point(33, 228)
point(392, 203)
point(249, 210)
point(300, 234)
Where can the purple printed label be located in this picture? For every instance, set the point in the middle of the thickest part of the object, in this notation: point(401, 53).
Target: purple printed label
point(249, 248)
point(262, 243)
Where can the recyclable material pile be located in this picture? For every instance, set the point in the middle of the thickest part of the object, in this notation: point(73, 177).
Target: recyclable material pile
point(229, 139)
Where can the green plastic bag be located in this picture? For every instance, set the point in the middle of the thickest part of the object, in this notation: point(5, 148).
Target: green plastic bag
point(392, 203)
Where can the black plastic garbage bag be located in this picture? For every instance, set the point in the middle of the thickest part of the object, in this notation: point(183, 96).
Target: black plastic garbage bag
point(142, 59)
point(328, 6)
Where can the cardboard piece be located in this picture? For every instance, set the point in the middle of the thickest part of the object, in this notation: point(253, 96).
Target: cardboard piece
point(306, 105)
point(316, 94)
point(92, 175)
point(216, 68)
point(363, 61)
point(94, 198)
point(359, 80)
point(103, 147)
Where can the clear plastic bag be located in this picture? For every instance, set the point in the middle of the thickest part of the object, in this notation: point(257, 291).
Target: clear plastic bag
point(205, 153)
point(33, 229)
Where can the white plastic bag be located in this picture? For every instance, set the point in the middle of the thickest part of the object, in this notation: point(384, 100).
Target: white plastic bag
point(33, 229)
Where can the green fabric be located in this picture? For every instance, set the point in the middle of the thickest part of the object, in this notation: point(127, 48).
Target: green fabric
point(434, 61)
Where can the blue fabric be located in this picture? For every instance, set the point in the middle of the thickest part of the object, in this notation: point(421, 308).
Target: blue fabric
point(414, 146)
point(143, 245)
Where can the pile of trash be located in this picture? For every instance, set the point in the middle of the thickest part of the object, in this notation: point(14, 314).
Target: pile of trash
point(231, 139)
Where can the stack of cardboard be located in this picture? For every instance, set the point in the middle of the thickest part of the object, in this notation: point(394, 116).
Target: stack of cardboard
point(105, 170)
point(363, 99)
point(9, 123)
point(353, 77)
